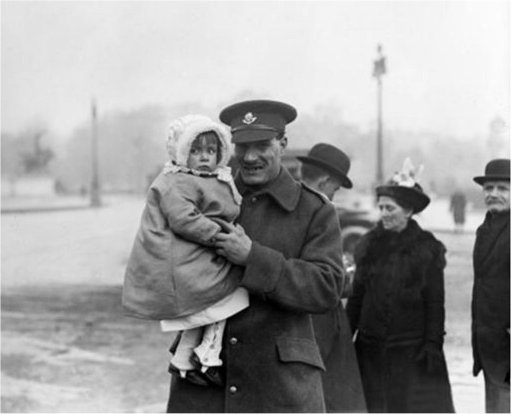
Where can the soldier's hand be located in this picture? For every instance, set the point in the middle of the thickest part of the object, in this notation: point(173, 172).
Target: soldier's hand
point(233, 244)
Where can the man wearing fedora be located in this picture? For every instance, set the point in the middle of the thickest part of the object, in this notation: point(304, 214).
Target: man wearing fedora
point(287, 242)
point(490, 297)
point(325, 169)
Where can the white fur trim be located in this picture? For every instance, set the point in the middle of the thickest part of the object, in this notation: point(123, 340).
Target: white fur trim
point(184, 130)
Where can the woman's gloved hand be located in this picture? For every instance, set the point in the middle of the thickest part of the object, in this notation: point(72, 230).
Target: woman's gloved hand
point(431, 354)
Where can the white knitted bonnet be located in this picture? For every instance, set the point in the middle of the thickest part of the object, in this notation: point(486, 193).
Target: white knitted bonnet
point(184, 130)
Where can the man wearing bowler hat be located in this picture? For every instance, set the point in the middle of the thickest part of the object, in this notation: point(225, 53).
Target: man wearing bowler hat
point(287, 241)
point(325, 169)
point(490, 298)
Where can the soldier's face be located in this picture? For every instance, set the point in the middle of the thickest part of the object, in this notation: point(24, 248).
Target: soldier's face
point(496, 195)
point(260, 161)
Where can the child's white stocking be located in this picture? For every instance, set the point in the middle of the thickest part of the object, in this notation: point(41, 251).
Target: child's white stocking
point(189, 340)
point(209, 349)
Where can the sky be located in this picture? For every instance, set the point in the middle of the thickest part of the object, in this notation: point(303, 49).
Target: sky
point(448, 61)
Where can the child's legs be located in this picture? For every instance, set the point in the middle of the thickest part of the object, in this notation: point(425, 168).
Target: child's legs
point(209, 349)
point(189, 340)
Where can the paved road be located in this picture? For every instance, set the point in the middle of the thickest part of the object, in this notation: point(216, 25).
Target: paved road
point(86, 246)
point(90, 248)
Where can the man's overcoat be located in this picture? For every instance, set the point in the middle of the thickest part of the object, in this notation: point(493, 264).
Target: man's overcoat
point(341, 381)
point(272, 361)
point(490, 299)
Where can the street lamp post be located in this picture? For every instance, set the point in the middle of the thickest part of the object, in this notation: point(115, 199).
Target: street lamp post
point(378, 71)
point(95, 199)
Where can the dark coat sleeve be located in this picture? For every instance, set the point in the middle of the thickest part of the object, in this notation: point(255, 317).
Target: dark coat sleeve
point(354, 305)
point(434, 296)
point(310, 283)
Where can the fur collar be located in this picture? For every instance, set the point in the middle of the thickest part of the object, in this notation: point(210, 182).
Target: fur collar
point(283, 189)
point(416, 251)
point(380, 243)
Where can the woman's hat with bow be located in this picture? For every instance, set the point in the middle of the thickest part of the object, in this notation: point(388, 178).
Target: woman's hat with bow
point(404, 188)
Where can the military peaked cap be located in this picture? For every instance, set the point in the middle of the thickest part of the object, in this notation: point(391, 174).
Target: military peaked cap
point(257, 120)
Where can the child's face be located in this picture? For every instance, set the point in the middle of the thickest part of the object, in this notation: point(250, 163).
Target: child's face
point(203, 154)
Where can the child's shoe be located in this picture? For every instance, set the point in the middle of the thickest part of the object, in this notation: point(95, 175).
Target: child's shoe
point(213, 375)
point(194, 376)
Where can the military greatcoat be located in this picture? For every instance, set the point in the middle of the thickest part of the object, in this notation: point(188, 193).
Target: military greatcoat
point(342, 383)
point(271, 358)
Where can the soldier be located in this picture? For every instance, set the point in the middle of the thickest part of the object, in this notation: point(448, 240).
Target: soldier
point(490, 298)
point(325, 169)
point(287, 242)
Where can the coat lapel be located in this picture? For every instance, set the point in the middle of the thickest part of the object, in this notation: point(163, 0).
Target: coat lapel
point(487, 236)
point(284, 190)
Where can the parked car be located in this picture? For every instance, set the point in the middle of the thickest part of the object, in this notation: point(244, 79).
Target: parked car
point(354, 224)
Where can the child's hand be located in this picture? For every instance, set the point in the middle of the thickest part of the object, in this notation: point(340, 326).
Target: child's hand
point(234, 244)
point(225, 226)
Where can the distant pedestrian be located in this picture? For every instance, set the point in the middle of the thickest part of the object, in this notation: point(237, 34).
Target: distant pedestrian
point(173, 273)
point(457, 207)
point(397, 306)
point(490, 298)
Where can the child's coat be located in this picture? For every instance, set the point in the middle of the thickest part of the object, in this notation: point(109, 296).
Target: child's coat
point(173, 270)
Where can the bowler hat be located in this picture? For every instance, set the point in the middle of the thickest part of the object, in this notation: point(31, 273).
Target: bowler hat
point(330, 158)
point(496, 170)
point(257, 120)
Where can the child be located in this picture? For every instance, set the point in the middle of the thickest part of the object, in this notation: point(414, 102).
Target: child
point(173, 273)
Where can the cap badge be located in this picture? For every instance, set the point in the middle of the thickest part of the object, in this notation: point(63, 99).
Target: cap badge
point(249, 118)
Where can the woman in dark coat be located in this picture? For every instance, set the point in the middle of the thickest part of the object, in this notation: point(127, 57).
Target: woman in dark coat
point(397, 306)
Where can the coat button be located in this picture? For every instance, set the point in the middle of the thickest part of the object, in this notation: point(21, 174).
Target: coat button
point(233, 389)
point(233, 341)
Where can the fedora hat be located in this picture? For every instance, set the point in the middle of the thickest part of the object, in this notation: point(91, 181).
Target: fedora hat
point(496, 170)
point(331, 159)
point(257, 120)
